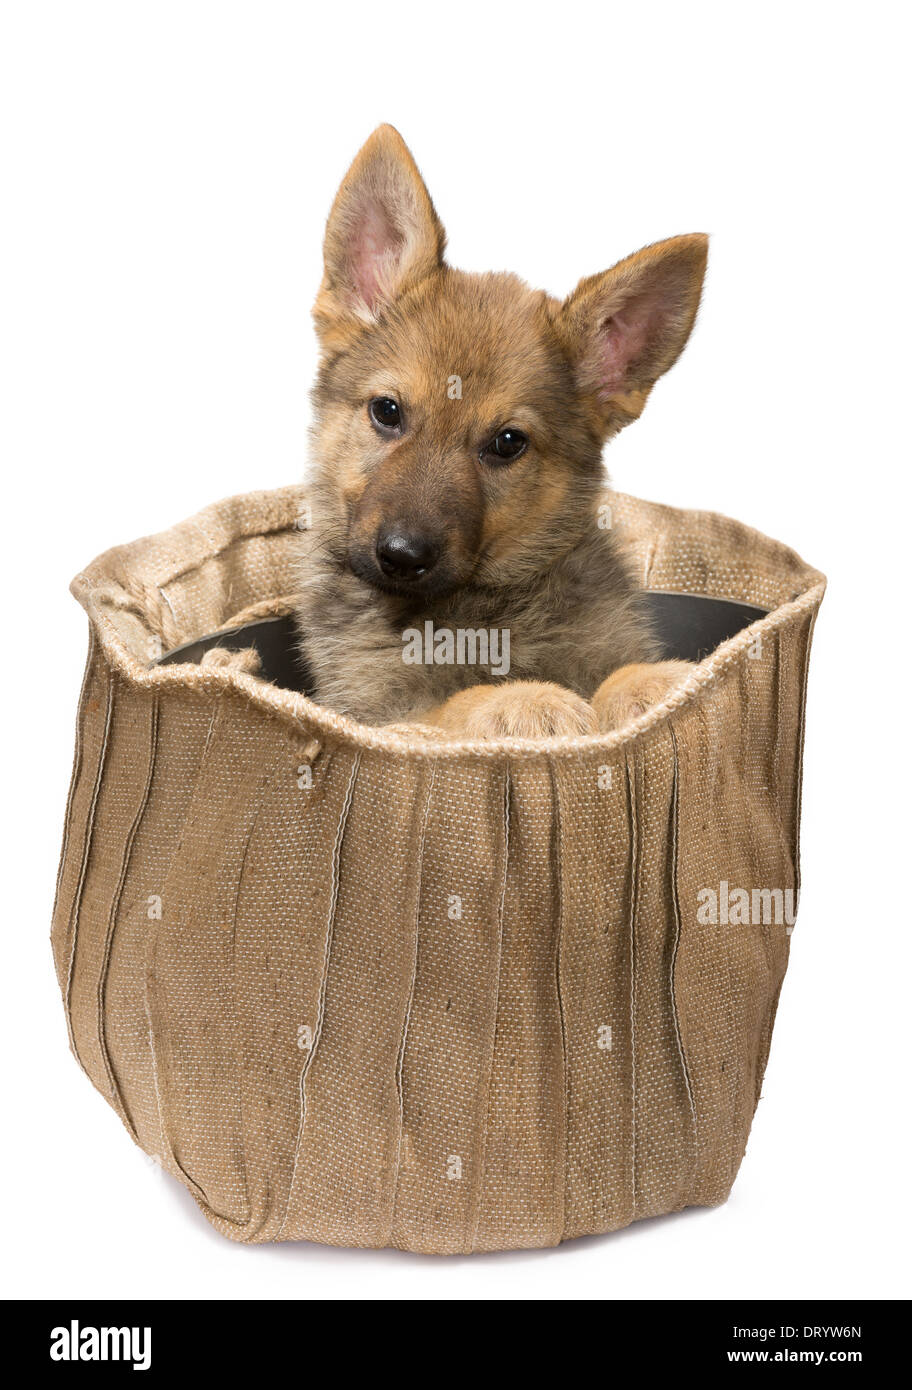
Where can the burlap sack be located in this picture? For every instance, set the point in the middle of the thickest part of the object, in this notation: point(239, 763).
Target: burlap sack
point(351, 989)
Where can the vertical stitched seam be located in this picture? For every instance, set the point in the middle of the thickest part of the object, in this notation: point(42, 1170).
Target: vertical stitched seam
point(778, 642)
point(799, 780)
point(633, 890)
point(676, 904)
point(650, 559)
point(84, 868)
point(775, 792)
point(400, 1061)
point(324, 973)
point(478, 1185)
point(170, 608)
point(167, 1154)
point(560, 1169)
point(119, 1100)
point(265, 785)
point(77, 766)
point(167, 1148)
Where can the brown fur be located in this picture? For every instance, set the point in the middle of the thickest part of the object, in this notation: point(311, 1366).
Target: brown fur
point(520, 543)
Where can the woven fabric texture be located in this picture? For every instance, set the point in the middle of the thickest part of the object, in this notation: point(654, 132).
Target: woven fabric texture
point(357, 988)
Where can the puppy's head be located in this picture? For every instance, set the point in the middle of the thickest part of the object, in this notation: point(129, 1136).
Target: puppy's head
point(460, 418)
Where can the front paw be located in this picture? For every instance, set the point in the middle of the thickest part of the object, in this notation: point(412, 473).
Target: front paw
point(519, 709)
point(631, 690)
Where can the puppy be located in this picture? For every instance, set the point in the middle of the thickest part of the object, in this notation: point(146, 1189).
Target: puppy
point(458, 507)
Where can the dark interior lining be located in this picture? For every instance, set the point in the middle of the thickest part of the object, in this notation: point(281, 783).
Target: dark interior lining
point(689, 627)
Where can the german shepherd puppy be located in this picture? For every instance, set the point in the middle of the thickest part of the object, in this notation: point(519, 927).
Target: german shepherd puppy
point(458, 486)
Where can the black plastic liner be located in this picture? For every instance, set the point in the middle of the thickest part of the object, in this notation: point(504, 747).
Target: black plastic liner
point(689, 627)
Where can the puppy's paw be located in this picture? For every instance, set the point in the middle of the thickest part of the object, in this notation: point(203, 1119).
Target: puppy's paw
point(519, 709)
point(630, 691)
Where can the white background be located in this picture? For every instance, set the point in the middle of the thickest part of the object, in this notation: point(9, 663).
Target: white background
point(166, 172)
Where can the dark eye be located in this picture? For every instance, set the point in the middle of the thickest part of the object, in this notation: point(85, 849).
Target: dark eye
point(385, 414)
point(505, 447)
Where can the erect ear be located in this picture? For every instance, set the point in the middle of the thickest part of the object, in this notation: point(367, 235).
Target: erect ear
point(628, 325)
point(383, 234)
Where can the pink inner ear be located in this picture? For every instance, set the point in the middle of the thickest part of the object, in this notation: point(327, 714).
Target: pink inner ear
point(622, 340)
point(376, 246)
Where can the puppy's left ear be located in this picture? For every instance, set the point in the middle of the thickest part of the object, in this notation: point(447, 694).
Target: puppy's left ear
point(382, 236)
point(626, 327)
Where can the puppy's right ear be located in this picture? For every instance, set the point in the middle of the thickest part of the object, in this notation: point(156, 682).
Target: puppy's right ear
point(382, 237)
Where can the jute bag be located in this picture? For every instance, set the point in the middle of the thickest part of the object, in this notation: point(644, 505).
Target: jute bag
point(352, 988)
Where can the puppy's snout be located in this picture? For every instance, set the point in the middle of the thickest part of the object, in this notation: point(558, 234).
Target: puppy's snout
point(406, 552)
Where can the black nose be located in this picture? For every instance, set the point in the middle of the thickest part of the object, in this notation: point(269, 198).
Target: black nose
point(404, 553)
